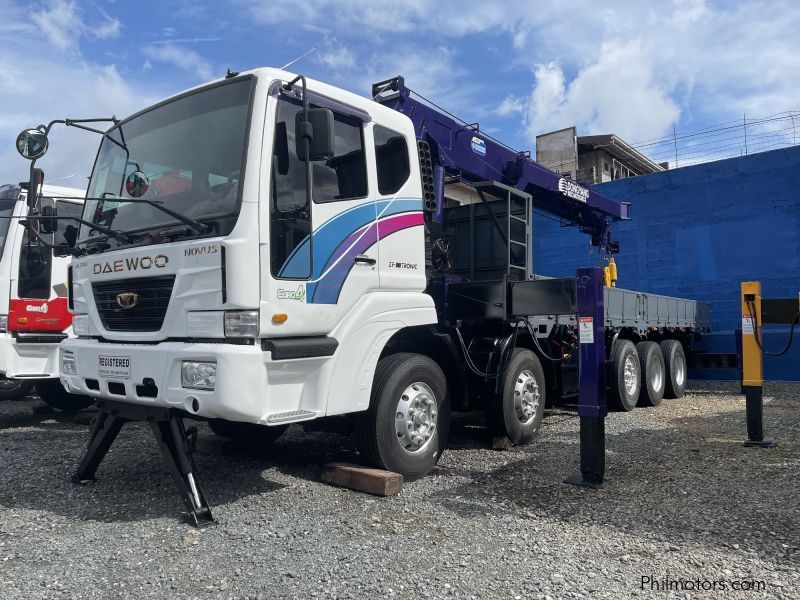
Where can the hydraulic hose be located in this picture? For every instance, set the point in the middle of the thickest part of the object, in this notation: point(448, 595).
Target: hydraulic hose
point(752, 308)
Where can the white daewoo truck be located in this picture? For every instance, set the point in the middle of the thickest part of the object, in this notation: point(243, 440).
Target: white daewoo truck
point(267, 250)
point(33, 297)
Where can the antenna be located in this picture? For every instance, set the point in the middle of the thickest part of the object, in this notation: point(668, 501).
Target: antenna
point(60, 178)
point(289, 64)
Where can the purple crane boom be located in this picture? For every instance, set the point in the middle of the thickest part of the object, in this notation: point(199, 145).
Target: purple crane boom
point(461, 150)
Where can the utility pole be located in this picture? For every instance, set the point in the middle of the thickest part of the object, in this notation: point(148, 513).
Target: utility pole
point(675, 142)
point(744, 125)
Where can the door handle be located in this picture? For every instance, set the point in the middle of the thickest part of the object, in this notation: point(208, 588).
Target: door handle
point(363, 259)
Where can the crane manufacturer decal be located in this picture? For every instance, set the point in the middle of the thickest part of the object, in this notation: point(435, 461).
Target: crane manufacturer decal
point(572, 190)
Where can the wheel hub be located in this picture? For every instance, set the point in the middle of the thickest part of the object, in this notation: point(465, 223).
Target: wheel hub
point(526, 397)
point(680, 370)
point(415, 418)
point(631, 375)
point(656, 374)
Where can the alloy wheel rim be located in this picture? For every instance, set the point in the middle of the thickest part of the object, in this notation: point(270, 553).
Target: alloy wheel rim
point(416, 417)
point(631, 375)
point(526, 397)
point(656, 374)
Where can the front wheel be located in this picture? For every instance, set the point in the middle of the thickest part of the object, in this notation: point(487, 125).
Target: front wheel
point(52, 392)
point(518, 411)
point(406, 426)
point(14, 389)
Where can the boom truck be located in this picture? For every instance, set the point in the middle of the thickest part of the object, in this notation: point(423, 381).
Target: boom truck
point(278, 250)
point(33, 297)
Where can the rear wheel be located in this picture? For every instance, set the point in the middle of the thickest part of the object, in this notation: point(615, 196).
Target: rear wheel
point(652, 374)
point(406, 426)
point(52, 392)
point(14, 389)
point(624, 377)
point(675, 368)
point(517, 412)
point(247, 432)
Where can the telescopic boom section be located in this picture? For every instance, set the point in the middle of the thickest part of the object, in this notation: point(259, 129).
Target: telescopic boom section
point(461, 149)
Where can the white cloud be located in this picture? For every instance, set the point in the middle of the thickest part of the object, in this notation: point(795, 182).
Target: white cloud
point(77, 90)
point(511, 105)
point(62, 23)
point(65, 85)
point(338, 59)
point(184, 58)
point(617, 94)
point(693, 60)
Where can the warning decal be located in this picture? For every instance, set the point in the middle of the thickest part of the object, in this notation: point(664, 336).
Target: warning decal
point(747, 324)
point(586, 330)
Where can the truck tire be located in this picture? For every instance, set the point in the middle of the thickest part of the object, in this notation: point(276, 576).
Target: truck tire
point(624, 381)
point(517, 412)
point(14, 389)
point(675, 368)
point(406, 426)
point(250, 433)
point(52, 392)
point(652, 373)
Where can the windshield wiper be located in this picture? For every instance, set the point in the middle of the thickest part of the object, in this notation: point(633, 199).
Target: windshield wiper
point(196, 225)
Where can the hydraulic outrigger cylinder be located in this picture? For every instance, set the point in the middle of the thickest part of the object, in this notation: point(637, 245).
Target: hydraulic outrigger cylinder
point(175, 444)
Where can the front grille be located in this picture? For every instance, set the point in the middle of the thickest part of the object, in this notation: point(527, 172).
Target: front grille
point(147, 315)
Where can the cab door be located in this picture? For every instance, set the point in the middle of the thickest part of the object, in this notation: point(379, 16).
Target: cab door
point(323, 257)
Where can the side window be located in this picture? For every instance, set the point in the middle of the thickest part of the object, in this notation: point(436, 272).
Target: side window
point(290, 220)
point(67, 231)
point(342, 177)
point(35, 265)
point(391, 157)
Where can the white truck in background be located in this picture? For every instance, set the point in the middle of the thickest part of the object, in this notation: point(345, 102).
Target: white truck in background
point(33, 297)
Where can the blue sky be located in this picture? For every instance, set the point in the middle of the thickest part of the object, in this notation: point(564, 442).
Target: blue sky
point(634, 68)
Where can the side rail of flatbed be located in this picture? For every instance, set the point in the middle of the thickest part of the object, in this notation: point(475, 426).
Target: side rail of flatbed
point(547, 302)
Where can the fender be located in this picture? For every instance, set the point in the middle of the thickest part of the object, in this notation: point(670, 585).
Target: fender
point(362, 336)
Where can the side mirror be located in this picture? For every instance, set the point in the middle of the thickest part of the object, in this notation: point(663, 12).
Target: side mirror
point(47, 221)
point(32, 143)
point(319, 130)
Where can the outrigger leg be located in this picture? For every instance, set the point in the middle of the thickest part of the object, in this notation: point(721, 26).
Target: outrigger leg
point(167, 426)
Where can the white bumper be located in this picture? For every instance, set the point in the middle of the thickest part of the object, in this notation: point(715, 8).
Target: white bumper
point(28, 360)
point(242, 391)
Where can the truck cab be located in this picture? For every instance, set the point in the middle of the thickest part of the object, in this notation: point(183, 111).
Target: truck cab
point(33, 295)
point(248, 303)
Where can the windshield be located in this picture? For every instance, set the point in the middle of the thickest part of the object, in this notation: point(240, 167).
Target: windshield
point(186, 155)
point(9, 194)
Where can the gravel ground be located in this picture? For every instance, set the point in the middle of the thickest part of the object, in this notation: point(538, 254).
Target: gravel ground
point(685, 500)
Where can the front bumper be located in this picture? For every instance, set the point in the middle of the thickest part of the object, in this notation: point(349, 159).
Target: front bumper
point(241, 392)
point(28, 359)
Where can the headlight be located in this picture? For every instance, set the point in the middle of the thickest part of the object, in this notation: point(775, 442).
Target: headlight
point(198, 375)
point(3, 323)
point(68, 363)
point(241, 323)
point(80, 324)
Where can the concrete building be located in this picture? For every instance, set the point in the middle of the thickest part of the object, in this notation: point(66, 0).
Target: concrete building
point(592, 159)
